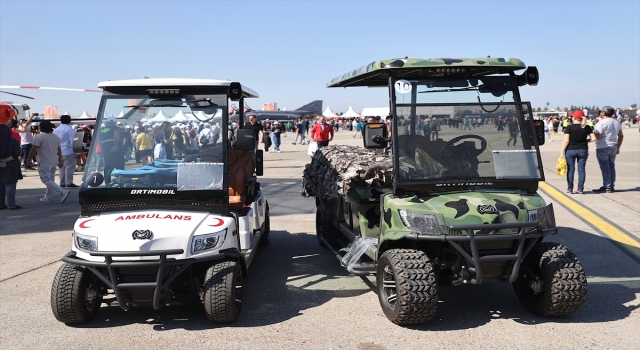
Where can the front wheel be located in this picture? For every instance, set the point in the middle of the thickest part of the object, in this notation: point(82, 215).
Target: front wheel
point(551, 281)
point(407, 287)
point(223, 291)
point(74, 295)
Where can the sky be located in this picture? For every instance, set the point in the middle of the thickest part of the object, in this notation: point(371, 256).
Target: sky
point(587, 52)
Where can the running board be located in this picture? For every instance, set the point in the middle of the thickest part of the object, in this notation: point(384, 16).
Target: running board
point(358, 269)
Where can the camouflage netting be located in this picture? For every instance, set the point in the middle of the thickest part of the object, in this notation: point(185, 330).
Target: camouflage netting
point(336, 169)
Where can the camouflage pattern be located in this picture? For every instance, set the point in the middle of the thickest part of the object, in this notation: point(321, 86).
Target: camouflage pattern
point(460, 208)
point(363, 194)
point(368, 219)
point(478, 65)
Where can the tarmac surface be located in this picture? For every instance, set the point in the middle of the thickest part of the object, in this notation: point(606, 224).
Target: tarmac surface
point(298, 296)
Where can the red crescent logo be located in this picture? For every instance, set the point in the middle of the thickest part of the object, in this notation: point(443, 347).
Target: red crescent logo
point(84, 222)
point(220, 222)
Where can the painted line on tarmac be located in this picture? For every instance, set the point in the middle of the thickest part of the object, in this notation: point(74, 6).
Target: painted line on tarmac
point(26, 272)
point(626, 241)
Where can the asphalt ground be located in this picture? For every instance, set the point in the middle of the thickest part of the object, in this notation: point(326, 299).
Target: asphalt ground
point(298, 296)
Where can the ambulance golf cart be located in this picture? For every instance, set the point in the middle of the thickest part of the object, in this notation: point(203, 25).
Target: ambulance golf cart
point(461, 205)
point(182, 228)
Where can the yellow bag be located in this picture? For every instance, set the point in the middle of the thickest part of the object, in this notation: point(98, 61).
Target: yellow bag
point(561, 166)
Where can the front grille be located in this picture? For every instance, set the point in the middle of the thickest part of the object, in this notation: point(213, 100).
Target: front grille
point(96, 208)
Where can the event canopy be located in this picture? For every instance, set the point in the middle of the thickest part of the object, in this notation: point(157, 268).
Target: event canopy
point(329, 113)
point(350, 113)
point(160, 117)
point(85, 115)
point(120, 115)
point(179, 117)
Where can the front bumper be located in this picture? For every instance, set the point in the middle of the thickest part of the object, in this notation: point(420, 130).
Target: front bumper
point(111, 280)
point(474, 260)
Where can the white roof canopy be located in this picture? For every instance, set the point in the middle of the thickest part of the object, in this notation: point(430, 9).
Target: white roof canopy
point(84, 115)
point(329, 113)
point(120, 115)
point(160, 117)
point(179, 117)
point(350, 113)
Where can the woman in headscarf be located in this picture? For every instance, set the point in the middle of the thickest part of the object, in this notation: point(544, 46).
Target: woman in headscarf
point(9, 168)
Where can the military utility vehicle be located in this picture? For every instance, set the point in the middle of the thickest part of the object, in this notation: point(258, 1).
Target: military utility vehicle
point(463, 205)
point(185, 226)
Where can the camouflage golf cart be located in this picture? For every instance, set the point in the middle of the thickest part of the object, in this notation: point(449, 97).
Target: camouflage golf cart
point(457, 200)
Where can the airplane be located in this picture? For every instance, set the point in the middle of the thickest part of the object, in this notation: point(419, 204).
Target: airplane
point(314, 108)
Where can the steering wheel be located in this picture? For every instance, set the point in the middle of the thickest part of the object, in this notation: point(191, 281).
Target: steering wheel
point(449, 146)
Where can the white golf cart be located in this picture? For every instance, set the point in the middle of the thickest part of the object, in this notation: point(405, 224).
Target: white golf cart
point(182, 227)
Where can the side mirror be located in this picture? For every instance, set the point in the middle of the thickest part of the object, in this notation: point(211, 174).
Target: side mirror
point(375, 135)
point(245, 140)
point(78, 145)
point(538, 130)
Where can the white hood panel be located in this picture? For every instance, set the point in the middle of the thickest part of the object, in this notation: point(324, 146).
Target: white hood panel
point(169, 230)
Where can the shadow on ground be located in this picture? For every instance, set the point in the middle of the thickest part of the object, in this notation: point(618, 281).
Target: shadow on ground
point(270, 297)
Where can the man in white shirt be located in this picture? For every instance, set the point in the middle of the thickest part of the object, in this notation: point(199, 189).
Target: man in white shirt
point(26, 139)
point(608, 132)
point(66, 133)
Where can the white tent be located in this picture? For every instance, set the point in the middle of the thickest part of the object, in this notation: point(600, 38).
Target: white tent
point(120, 115)
point(350, 113)
point(329, 113)
point(179, 117)
point(85, 115)
point(160, 117)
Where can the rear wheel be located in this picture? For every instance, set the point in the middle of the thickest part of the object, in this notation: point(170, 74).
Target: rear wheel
point(74, 295)
point(319, 227)
point(223, 291)
point(551, 281)
point(407, 286)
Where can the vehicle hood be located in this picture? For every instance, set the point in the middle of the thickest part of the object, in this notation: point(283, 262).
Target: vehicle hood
point(116, 232)
point(470, 208)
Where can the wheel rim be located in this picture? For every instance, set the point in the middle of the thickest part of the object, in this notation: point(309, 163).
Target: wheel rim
point(91, 297)
point(389, 287)
point(533, 282)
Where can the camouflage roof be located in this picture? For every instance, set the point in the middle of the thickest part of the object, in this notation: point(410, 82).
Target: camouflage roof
point(375, 73)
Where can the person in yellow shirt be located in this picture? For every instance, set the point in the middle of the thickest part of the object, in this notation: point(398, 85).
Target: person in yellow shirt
point(144, 144)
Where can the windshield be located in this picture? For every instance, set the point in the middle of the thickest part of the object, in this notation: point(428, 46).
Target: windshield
point(463, 130)
point(167, 144)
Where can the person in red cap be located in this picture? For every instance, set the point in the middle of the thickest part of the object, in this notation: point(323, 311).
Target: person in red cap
point(575, 148)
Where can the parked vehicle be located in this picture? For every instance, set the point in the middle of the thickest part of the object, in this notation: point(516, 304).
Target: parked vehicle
point(463, 205)
point(172, 231)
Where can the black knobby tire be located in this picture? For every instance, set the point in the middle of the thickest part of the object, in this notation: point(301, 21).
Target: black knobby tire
point(325, 230)
point(69, 291)
point(407, 287)
point(223, 291)
point(564, 282)
point(266, 235)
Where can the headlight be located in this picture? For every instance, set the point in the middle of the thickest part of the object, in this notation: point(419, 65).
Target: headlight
point(207, 242)
point(86, 243)
point(421, 222)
